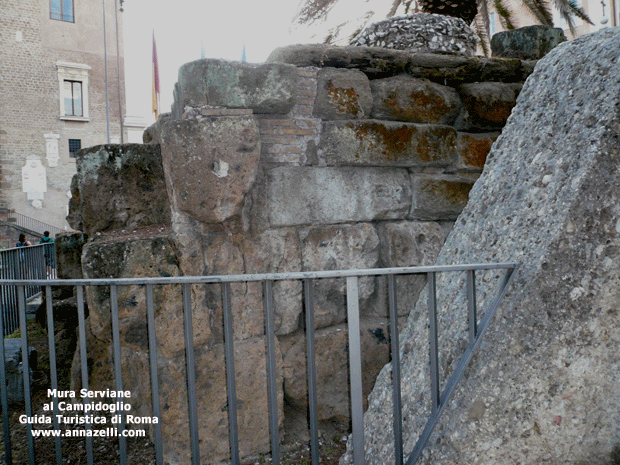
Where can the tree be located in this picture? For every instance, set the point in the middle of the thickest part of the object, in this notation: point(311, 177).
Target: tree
point(473, 12)
point(468, 10)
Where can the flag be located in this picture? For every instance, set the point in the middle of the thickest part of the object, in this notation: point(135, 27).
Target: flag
point(155, 80)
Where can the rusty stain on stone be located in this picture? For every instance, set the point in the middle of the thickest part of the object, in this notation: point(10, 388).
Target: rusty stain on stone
point(346, 100)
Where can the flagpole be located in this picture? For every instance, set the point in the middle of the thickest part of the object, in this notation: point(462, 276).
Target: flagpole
point(118, 69)
point(105, 59)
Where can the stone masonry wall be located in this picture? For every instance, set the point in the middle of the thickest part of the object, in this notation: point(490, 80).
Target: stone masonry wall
point(341, 158)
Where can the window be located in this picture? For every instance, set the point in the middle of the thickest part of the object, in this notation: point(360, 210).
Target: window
point(73, 98)
point(491, 24)
point(74, 146)
point(73, 91)
point(62, 10)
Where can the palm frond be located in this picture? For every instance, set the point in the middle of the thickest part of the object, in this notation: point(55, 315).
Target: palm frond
point(481, 28)
point(541, 10)
point(395, 5)
point(568, 10)
point(504, 13)
point(482, 18)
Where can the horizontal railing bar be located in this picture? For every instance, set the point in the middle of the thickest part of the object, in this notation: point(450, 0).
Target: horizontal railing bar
point(262, 277)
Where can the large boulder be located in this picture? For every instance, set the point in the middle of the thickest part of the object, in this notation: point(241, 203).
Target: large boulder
point(543, 385)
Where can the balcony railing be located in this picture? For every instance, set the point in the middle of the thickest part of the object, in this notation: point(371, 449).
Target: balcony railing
point(477, 325)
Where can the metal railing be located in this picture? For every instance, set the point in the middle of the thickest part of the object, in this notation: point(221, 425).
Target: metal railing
point(29, 263)
point(32, 224)
point(476, 324)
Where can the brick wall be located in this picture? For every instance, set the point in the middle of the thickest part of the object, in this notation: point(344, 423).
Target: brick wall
point(29, 97)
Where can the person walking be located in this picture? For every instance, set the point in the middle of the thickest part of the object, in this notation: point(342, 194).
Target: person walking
point(48, 252)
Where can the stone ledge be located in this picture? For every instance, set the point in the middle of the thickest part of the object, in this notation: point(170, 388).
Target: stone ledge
point(379, 62)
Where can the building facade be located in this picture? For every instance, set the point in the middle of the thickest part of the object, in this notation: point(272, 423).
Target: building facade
point(55, 97)
point(603, 13)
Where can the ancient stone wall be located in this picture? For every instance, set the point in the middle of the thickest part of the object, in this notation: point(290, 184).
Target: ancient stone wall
point(543, 386)
point(324, 158)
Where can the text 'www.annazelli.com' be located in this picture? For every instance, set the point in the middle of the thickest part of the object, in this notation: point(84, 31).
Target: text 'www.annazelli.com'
point(87, 433)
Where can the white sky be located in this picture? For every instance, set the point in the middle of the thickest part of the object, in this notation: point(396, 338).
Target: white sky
point(180, 26)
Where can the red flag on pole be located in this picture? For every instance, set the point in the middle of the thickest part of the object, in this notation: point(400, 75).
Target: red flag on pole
point(155, 80)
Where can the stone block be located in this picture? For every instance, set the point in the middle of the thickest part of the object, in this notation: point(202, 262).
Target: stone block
point(473, 149)
point(15, 369)
point(293, 196)
point(267, 88)
point(384, 143)
point(68, 247)
point(549, 199)
point(408, 243)
point(210, 165)
point(278, 251)
point(213, 250)
point(145, 257)
point(118, 187)
point(332, 366)
point(342, 94)
point(212, 400)
point(342, 247)
point(488, 104)
point(404, 98)
point(438, 197)
point(527, 43)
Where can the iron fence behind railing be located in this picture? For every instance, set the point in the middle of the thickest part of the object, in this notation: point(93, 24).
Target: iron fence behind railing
point(29, 263)
point(477, 326)
point(32, 224)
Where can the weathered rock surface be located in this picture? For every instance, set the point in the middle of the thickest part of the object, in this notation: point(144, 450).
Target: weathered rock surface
point(267, 88)
point(421, 32)
point(339, 247)
point(252, 403)
point(527, 43)
point(379, 62)
point(332, 363)
point(118, 187)
point(210, 165)
point(68, 247)
point(408, 243)
point(543, 385)
point(334, 195)
point(151, 135)
point(386, 143)
point(404, 98)
point(473, 149)
point(438, 196)
point(342, 94)
point(140, 257)
point(488, 104)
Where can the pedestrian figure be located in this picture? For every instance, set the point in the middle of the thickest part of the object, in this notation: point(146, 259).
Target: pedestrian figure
point(48, 252)
point(22, 242)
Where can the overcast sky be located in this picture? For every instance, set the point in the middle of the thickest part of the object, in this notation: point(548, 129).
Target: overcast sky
point(223, 26)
